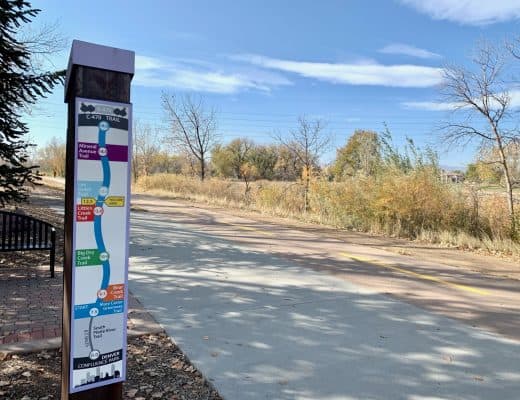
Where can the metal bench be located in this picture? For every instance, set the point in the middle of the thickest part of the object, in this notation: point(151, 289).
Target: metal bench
point(24, 233)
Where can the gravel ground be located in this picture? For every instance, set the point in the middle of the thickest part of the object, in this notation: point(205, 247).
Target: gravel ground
point(157, 369)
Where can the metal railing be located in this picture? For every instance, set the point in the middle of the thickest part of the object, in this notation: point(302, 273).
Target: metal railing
point(24, 233)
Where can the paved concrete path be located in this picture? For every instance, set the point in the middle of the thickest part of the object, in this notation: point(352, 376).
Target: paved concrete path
point(478, 290)
point(266, 327)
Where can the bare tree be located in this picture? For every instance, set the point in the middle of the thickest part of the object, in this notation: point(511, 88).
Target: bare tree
point(43, 43)
point(513, 46)
point(193, 127)
point(483, 109)
point(51, 157)
point(307, 143)
point(147, 145)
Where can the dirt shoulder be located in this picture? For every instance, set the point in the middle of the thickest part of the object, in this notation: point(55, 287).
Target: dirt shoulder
point(475, 261)
point(157, 369)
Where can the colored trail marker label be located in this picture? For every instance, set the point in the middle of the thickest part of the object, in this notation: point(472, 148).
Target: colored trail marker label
point(87, 257)
point(115, 201)
point(84, 213)
point(99, 285)
point(88, 201)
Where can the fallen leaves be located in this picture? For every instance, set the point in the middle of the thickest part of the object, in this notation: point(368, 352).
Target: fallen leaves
point(157, 369)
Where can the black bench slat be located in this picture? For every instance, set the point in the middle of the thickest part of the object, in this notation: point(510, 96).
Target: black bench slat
point(10, 237)
point(22, 233)
point(28, 238)
point(14, 224)
point(19, 228)
point(4, 229)
point(40, 241)
point(27, 226)
point(13, 228)
point(34, 230)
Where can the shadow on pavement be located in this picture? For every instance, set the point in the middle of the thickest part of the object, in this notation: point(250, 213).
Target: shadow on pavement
point(261, 326)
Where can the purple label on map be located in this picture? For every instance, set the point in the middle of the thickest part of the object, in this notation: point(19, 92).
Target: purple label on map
point(92, 151)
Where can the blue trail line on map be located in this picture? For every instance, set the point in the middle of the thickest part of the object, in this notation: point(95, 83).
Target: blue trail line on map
point(98, 234)
point(97, 218)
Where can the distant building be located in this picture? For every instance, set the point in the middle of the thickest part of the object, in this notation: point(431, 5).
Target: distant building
point(451, 176)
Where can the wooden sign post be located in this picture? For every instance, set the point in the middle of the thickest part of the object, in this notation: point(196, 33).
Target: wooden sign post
point(97, 200)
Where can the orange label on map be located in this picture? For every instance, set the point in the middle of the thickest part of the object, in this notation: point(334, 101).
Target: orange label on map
point(115, 292)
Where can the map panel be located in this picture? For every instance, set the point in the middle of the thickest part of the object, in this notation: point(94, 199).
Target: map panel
point(100, 261)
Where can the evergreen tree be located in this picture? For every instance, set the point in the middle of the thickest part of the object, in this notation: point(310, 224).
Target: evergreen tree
point(20, 87)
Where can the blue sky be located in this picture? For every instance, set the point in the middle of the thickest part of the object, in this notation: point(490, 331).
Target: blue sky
point(356, 64)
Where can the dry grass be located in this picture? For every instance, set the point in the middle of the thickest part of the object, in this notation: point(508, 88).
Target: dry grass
point(414, 205)
point(212, 190)
point(55, 183)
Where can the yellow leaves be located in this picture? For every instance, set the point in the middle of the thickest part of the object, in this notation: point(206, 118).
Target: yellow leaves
point(248, 171)
point(306, 173)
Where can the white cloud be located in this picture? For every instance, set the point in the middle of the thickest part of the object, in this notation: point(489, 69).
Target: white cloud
point(147, 63)
point(514, 103)
point(515, 98)
point(430, 105)
point(200, 76)
point(470, 12)
point(352, 73)
point(407, 50)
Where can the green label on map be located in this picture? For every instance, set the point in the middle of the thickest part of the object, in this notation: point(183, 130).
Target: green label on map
point(86, 257)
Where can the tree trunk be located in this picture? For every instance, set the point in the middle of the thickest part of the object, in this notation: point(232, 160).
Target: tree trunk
point(509, 193)
point(510, 204)
point(135, 170)
point(202, 169)
point(306, 195)
point(248, 188)
point(507, 177)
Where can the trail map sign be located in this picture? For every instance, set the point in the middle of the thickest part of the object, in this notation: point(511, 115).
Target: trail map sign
point(100, 244)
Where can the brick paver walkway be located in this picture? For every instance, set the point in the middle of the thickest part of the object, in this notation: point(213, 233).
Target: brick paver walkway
point(30, 304)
